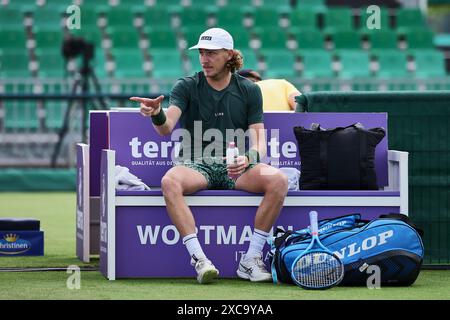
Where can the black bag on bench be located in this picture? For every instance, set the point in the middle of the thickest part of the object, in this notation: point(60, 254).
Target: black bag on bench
point(342, 158)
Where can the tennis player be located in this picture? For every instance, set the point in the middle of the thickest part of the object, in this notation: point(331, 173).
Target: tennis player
point(221, 99)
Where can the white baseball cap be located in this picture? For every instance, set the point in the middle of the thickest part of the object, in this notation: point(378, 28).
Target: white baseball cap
point(213, 39)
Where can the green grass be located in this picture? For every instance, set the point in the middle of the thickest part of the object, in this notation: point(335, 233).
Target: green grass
point(57, 214)
point(56, 211)
point(52, 285)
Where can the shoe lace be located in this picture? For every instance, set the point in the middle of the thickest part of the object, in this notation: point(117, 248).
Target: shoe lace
point(200, 263)
point(259, 263)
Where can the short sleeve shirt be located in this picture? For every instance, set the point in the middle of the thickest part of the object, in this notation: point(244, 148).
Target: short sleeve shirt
point(276, 94)
point(207, 113)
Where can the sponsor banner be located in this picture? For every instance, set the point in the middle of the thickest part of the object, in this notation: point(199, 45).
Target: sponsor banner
point(149, 155)
point(21, 243)
point(148, 244)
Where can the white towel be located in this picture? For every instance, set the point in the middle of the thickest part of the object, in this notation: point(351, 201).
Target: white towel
point(293, 175)
point(128, 181)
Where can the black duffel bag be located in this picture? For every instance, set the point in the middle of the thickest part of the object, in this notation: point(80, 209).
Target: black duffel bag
point(342, 158)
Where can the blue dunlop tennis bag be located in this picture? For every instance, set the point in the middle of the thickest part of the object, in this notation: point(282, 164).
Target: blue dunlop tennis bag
point(392, 242)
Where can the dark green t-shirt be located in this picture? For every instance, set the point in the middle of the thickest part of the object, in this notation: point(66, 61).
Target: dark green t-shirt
point(235, 107)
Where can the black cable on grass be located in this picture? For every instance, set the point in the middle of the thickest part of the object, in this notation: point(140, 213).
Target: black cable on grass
point(46, 269)
point(435, 267)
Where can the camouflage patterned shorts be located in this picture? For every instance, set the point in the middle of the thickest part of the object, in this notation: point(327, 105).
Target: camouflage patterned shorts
point(214, 171)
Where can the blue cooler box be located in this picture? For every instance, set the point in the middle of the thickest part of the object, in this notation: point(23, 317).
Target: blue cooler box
point(21, 237)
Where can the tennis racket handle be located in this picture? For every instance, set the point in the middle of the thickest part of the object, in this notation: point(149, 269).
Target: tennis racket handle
point(313, 222)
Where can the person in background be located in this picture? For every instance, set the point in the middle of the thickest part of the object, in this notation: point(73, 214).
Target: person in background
point(278, 94)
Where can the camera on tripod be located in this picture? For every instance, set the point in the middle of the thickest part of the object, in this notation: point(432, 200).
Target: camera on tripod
point(75, 46)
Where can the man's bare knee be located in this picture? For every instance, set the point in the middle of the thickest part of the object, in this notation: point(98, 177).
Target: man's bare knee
point(170, 186)
point(278, 184)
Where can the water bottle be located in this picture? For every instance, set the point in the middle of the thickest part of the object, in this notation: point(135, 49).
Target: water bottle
point(232, 154)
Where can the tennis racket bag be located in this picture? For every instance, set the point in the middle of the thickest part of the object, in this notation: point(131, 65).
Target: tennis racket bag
point(392, 242)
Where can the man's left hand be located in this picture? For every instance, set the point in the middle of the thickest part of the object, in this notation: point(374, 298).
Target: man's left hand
point(239, 166)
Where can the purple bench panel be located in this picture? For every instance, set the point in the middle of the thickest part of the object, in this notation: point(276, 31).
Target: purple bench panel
point(98, 140)
point(162, 254)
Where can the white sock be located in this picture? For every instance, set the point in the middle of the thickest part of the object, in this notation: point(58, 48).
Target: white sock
point(257, 242)
point(193, 246)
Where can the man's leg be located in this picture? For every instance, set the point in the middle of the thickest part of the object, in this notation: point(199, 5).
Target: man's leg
point(274, 184)
point(177, 182)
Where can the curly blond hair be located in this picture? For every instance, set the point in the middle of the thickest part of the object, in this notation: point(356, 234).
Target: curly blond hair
point(236, 62)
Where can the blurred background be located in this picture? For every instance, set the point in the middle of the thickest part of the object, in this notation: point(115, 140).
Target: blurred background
point(61, 58)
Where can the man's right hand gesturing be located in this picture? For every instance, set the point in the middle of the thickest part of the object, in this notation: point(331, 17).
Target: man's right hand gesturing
point(149, 107)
